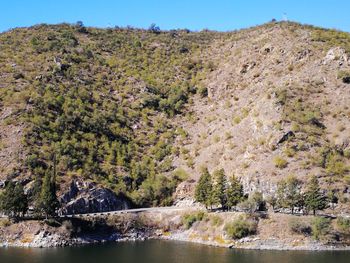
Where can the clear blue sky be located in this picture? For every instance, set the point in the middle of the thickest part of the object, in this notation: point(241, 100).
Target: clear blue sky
point(220, 15)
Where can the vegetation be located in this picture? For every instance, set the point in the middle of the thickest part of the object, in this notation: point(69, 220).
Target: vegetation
point(189, 219)
point(218, 192)
point(314, 198)
point(299, 227)
point(95, 95)
point(241, 227)
point(288, 193)
point(219, 196)
point(13, 201)
point(203, 192)
point(279, 162)
point(320, 227)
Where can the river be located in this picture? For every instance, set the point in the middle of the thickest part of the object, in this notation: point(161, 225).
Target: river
point(157, 251)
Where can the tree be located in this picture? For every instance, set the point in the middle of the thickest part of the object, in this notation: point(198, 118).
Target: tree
point(203, 191)
point(234, 192)
point(219, 189)
point(13, 201)
point(154, 28)
point(288, 193)
point(48, 202)
point(314, 199)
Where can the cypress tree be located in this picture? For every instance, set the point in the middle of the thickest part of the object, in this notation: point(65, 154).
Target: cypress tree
point(219, 189)
point(234, 192)
point(314, 199)
point(48, 202)
point(203, 192)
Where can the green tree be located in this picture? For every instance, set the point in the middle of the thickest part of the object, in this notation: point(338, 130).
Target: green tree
point(203, 191)
point(219, 188)
point(48, 202)
point(234, 192)
point(314, 199)
point(13, 201)
point(288, 193)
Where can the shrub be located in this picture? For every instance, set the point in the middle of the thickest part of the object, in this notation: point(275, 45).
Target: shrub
point(189, 219)
point(320, 227)
point(299, 227)
point(203, 91)
point(343, 224)
point(241, 227)
point(344, 76)
point(279, 162)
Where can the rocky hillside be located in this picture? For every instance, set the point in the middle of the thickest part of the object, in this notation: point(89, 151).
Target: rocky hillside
point(132, 113)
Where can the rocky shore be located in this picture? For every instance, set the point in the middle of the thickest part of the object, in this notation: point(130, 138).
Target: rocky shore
point(154, 225)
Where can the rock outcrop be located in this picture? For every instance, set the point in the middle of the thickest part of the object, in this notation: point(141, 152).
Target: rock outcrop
point(87, 197)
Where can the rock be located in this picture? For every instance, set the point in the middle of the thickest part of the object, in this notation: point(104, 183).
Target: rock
point(336, 53)
point(285, 137)
point(87, 197)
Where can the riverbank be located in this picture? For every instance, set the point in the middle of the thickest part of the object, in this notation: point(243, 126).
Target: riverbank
point(273, 231)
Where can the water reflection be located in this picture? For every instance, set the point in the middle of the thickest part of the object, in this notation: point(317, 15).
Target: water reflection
point(156, 251)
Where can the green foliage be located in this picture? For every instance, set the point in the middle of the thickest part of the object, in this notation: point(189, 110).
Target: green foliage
point(255, 202)
point(103, 100)
point(241, 227)
point(234, 192)
point(320, 227)
point(202, 91)
point(13, 201)
point(203, 191)
point(314, 198)
point(343, 224)
point(218, 194)
point(279, 162)
point(48, 203)
point(189, 219)
point(296, 225)
point(288, 193)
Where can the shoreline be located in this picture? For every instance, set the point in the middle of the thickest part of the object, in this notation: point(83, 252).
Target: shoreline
point(273, 232)
point(176, 237)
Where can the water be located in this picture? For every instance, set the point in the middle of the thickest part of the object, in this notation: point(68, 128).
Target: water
point(156, 251)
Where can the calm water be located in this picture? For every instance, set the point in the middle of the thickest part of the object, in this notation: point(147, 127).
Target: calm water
point(162, 252)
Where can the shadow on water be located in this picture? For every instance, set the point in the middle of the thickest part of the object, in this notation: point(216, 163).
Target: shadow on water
point(157, 251)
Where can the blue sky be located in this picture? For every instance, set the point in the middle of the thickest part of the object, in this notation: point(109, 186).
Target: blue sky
point(220, 15)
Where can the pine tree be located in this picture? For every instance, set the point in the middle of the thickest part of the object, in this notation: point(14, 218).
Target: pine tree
point(288, 193)
point(234, 192)
point(219, 189)
point(314, 199)
point(203, 192)
point(13, 201)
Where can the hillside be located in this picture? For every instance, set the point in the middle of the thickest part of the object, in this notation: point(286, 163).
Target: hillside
point(140, 111)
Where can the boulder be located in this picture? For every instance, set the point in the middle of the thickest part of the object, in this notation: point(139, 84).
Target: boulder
point(87, 197)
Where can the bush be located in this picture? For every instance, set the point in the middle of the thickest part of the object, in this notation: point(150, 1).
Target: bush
point(279, 162)
point(299, 227)
point(344, 76)
point(320, 227)
point(241, 227)
point(203, 91)
point(189, 219)
point(343, 224)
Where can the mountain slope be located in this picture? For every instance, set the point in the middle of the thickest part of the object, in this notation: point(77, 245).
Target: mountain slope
point(127, 108)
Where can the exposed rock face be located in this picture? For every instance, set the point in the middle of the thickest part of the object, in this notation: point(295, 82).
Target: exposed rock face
point(87, 197)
